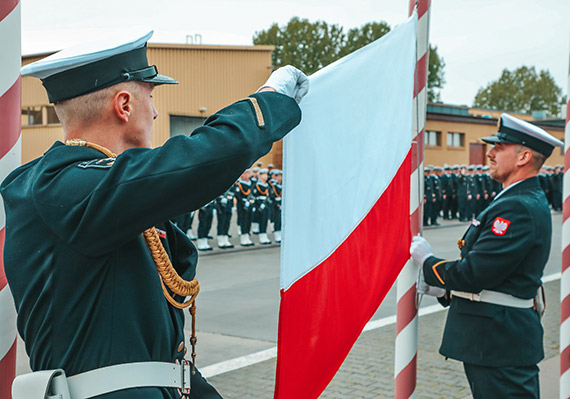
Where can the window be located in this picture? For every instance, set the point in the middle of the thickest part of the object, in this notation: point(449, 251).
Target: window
point(39, 115)
point(184, 124)
point(51, 115)
point(455, 139)
point(433, 139)
point(32, 116)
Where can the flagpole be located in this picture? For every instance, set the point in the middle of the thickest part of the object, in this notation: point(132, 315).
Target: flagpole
point(405, 368)
point(10, 155)
point(565, 279)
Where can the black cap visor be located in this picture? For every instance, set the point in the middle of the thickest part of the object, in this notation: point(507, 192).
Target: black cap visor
point(511, 136)
point(160, 80)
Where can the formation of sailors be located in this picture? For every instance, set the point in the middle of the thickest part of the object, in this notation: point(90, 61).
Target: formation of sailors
point(256, 198)
point(463, 191)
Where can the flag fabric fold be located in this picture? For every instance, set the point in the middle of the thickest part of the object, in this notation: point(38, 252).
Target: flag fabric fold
point(346, 204)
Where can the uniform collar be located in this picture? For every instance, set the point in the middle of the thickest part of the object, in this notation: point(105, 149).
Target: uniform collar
point(526, 182)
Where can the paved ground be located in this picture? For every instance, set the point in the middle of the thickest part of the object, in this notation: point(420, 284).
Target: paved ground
point(238, 310)
point(369, 368)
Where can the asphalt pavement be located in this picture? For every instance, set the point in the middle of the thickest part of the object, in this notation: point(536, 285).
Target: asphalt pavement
point(237, 320)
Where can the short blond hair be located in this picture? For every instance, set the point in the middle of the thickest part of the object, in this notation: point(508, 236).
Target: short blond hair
point(87, 108)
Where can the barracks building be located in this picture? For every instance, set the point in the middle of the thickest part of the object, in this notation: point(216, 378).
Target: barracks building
point(212, 77)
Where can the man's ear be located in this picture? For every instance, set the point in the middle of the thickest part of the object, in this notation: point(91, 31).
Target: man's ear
point(524, 157)
point(122, 105)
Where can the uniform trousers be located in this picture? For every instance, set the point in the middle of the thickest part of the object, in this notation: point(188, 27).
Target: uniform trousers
point(503, 382)
point(262, 213)
point(205, 218)
point(276, 218)
point(244, 218)
point(224, 215)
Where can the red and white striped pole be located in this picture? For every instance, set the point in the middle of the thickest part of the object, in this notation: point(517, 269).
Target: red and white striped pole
point(565, 279)
point(10, 158)
point(405, 367)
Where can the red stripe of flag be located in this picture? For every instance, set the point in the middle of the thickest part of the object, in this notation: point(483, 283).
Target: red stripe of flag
point(6, 7)
point(323, 313)
point(406, 381)
point(10, 115)
point(407, 309)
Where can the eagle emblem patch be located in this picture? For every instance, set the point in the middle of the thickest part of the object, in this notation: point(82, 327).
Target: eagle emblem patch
point(500, 226)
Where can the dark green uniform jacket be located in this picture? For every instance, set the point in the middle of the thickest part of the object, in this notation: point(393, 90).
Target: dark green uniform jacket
point(85, 286)
point(505, 249)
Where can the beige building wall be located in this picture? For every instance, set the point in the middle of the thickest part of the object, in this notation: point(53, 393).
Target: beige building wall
point(211, 77)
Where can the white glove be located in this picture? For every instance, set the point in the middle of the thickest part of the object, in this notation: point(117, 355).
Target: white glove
point(420, 250)
point(425, 289)
point(290, 81)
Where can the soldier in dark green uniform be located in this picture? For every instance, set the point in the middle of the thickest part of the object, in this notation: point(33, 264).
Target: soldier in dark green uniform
point(98, 273)
point(493, 325)
point(224, 206)
point(464, 195)
point(429, 196)
point(205, 220)
point(445, 183)
point(260, 193)
point(244, 203)
point(454, 184)
point(482, 190)
point(275, 195)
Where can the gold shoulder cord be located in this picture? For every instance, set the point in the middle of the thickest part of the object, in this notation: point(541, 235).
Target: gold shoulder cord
point(168, 275)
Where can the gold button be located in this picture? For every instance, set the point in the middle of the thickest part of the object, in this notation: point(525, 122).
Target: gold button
point(181, 346)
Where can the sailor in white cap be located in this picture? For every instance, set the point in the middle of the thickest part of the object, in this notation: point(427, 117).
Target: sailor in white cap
point(494, 288)
point(99, 273)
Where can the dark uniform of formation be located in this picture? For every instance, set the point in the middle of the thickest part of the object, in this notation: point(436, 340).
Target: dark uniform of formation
point(463, 192)
point(256, 199)
point(89, 234)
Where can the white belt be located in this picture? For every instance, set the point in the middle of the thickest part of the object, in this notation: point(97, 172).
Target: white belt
point(497, 298)
point(103, 380)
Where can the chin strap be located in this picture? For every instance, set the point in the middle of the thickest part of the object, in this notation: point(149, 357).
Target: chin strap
point(168, 275)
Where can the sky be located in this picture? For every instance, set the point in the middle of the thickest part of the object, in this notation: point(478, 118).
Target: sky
point(476, 38)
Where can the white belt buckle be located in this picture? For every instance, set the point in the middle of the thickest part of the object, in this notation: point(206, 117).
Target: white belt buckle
point(185, 371)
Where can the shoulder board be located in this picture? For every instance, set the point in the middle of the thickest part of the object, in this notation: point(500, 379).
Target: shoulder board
point(105, 163)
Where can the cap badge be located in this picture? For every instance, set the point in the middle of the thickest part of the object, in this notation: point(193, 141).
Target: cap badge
point(500, 226)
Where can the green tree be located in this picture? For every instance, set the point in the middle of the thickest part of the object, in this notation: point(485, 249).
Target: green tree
point(311, 46)
point(436, 75)
point(360, 37)
point(522, 90)
point(307, 45)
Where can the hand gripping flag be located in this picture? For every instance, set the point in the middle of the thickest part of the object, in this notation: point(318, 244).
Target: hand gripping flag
point(346, 208)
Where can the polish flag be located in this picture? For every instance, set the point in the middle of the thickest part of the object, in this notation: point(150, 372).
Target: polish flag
point(346, 208)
